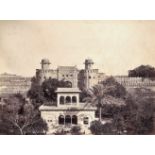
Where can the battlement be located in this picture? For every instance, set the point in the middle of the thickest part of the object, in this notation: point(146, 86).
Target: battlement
point(67, 68)
point(135, 81)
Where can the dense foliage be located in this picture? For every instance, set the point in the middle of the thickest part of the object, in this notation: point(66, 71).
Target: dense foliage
point(18, 116)
point(114, 88)
point(46, 91)
point(76, 130)
point(143, 71)
point(97, 128)
point(136, 117)
point(109, 92)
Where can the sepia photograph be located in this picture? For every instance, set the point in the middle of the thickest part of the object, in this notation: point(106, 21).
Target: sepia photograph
point(77, 77)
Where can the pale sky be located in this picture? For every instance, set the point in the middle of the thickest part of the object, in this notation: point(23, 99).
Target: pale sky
point(114, 46)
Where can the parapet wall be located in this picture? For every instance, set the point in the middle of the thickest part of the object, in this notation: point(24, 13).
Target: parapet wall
point(135, 82)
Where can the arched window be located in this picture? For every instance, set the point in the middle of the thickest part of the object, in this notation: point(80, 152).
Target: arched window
point(62, 100)
point(85, 120)
point(68, 119)
point(74, 100)
point(74, 119)
point(68, 99)
point(61, 119)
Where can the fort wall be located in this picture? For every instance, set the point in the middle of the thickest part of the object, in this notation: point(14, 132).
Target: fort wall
point(135, 82)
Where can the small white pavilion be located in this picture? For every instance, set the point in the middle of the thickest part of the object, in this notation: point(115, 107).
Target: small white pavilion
point(68, 111)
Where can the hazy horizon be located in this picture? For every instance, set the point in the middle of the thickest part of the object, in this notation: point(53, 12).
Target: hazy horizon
point(114, 46)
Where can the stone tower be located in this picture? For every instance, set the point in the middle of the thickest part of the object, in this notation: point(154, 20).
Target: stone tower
point(88, 64)
point(42, 74)
point(45, 64)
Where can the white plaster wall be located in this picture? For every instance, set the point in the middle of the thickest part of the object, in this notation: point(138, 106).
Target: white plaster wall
point(51, 118)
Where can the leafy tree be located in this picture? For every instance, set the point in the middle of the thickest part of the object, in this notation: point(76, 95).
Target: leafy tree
point(46, 91)
point(83, 95)
point(97, 128)
point(20, 117)
point(141, 118)
point(99, 96)
point(49, 87)
point(136, 117)
point(119, 123)
point(36, 92)
point(115, 89)
point(144, 71)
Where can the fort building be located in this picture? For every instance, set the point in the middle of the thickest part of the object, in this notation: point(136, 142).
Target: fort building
point(88, 77)
point(83, 78)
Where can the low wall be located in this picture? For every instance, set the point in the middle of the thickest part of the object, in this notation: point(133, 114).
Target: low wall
point(135, 82)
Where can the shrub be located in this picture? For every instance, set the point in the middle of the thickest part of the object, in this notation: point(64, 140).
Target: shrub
point(75, 130)
point(97, 128)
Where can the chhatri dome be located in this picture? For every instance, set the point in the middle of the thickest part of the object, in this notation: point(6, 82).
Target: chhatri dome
point(89, 61)
point(45, 61)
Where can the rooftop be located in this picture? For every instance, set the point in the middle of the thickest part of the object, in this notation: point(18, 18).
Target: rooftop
point(79, 107)
point(68, 90)
point(67, 67)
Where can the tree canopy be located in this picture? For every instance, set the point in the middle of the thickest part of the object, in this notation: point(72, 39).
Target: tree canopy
point(144, 71)
point(49, 87)
point(36, 92)
point(19, 116)
point(136, 117)
point(114, 88)
point(46, 91)
point(133, 117)
point(109, 92)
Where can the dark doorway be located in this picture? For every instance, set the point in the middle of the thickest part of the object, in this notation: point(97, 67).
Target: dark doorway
point(74, 100)
point(68, 99)
point(68, 119)
point(61, 119)
point(62, 100)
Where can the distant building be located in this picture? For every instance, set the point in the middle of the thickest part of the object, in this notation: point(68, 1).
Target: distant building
point(135, 82)
point(13, 84)
point(83, 78)
point(87, 77)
